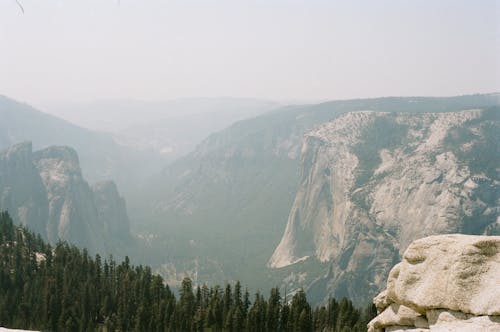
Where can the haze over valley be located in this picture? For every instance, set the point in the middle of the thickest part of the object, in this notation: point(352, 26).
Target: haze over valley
point(227, 166)
point(254, 175)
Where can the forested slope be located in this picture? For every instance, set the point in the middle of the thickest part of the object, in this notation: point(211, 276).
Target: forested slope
point(62, 288)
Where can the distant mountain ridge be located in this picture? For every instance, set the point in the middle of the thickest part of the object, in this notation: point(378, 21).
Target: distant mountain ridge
point(171, 128)
point(45, 191)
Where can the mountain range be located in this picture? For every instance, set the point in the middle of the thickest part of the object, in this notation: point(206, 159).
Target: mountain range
point(169, 128)
point(230, 199)
point(322, 196)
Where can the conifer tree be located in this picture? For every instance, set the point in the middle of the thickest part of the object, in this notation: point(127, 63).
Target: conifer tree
point(68, 290)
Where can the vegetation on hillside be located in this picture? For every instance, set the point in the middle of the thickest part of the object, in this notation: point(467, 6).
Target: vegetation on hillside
point(62, 288)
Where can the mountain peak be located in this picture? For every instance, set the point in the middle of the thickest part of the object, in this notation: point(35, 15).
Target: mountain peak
point(64, 153)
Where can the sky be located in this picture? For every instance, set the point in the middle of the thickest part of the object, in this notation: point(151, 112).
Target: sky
point(293, 50)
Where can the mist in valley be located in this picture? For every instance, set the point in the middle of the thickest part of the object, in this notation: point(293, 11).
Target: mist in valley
point(299, 146)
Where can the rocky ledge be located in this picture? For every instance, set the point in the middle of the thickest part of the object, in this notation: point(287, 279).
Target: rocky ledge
point(444, 283)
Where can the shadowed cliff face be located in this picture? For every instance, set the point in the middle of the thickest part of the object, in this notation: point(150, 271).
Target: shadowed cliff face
point(111, 210)
point(45, 191)
point(22, 191)
point(372, 182)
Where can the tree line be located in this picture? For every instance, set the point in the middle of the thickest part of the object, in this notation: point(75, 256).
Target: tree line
point(62, 288)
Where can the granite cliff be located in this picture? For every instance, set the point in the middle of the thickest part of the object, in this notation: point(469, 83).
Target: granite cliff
point(372, 182)
point(45, 190)
point(245, 179)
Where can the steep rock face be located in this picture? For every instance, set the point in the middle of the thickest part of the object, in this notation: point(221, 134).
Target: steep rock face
point(72, 214)
point(444, 283)
point(111, 210)
point(371, 182)
point(45, 191)
point(245, 179)
point(22, 191)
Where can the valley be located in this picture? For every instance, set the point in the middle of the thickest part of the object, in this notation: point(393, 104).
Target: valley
point(301, 196)
point(253, 166)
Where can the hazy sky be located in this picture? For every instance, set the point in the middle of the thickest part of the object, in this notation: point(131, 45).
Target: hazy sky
point(277, 49)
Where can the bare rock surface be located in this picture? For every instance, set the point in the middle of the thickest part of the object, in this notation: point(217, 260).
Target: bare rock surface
point(372, 182)
point(457, 272)
point(404, 328)
point(450, 321)
point(444, 283)
point(395, 314)
point(46, 191)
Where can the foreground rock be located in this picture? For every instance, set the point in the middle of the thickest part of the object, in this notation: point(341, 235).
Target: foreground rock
point(444, 283)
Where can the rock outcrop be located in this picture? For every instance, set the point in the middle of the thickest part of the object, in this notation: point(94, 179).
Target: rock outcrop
point(22, 191)
point(444, 283)
point(45, 191)
point(111, 210)
point(372, 182)
point(71, 209)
